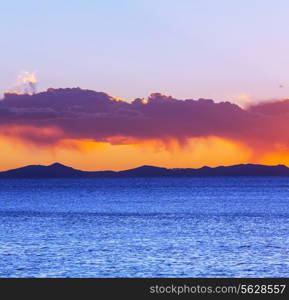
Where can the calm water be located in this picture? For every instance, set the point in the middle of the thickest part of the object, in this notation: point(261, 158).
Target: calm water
point(145, 227)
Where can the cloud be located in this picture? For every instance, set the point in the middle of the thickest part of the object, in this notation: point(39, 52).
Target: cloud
point(58, 114)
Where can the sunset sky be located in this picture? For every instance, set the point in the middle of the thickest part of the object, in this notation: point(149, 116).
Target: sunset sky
point(233, 52)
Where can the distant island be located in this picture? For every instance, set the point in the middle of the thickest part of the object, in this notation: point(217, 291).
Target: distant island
point(58, 170)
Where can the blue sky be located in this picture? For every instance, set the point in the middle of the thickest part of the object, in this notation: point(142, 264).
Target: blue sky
point(226, 50)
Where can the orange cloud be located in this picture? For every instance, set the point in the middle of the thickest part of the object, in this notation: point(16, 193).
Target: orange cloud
point(95, 131)
point(29, 134)
point(90, 155)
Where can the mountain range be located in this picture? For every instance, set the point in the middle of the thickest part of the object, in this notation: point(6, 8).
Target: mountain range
point(58, 170)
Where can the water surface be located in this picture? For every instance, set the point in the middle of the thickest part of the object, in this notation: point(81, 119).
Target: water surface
point(145, 227)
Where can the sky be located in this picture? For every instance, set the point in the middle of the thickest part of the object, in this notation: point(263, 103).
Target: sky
point(224, 50)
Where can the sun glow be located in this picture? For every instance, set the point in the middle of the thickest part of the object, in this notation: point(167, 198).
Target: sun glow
point(93, 155)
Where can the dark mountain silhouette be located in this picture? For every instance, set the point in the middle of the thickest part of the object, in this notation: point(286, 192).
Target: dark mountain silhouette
point(54, 170)
point(145, 171)
point(58, 170)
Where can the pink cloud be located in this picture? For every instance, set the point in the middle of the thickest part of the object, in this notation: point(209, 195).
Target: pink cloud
point(85, 114)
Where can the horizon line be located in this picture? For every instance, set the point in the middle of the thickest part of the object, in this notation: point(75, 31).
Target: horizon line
point(142, 166)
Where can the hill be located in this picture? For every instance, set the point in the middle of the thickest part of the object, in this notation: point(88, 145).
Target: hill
point(58, 170)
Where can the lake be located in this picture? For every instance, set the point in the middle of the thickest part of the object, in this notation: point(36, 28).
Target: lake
point(145, 227)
